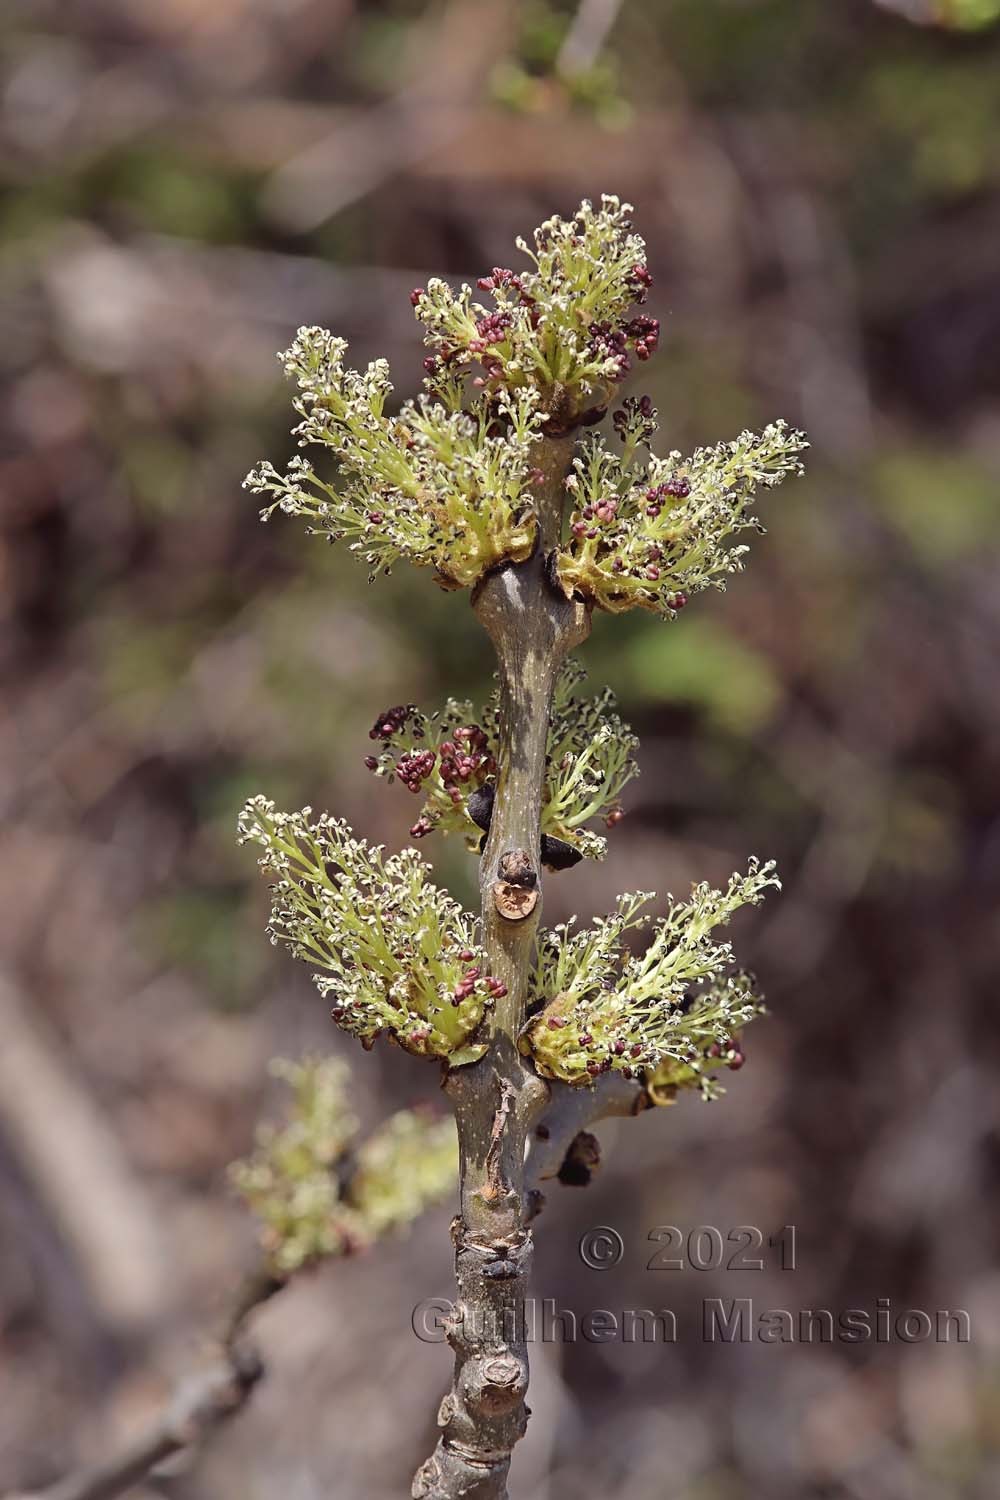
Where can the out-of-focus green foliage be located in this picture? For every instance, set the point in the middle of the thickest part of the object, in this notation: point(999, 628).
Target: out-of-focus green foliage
point(535, 79)
point(317, 1192)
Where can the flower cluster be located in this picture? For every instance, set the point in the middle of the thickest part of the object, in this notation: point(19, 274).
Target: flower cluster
point(317, 1192)
point(562, 329)
point(446, 485)
point(665, 1009)
point(650, 533)
point(399, 955)
point(448, 756)
point(444, 757)
point(671, 1075)
point(589, 762)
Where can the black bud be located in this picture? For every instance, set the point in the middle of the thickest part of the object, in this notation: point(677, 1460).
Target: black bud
point(581, 1160)
point(558, 855)
point(480, 806)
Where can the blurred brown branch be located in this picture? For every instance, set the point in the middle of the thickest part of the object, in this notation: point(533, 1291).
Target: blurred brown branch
point(81, 1173)
point(587, 35)
point(200, 1404)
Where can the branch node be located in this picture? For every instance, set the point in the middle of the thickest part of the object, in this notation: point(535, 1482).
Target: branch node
point(516, 868)
point(513, 902)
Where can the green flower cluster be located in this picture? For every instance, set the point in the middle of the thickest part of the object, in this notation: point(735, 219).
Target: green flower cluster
point(650, 533)
point(589, 762)
point(561, 329)
point(398, 955)
point(317, 1192)
point(448, 755)
point(673, 1007)
point(445, 485)
point(449, 482)
point(402, 958)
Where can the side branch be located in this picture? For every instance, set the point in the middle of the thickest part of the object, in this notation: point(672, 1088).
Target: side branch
point(571, 1108)
point(200, 1404)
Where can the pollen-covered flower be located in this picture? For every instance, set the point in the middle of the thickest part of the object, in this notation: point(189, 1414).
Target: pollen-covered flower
point(561, 328)
point(602, 1007)
point(650, 533)
point(448, 756)
point(589, 761)
point(395, 953)
point(445, 484)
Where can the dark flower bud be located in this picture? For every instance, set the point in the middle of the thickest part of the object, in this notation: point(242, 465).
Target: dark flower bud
point(557, 854)
point(581, 1160)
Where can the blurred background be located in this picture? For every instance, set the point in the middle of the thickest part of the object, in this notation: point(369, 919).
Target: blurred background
point(185, 183)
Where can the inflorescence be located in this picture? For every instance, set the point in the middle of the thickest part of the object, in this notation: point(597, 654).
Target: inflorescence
point(669, 1013)
point(448, 756)
point(398, 955)
point(445, 486)
point(563, 329)
point(403, 959)
point(317, 1192)
point(450, 482)
point(651, 532)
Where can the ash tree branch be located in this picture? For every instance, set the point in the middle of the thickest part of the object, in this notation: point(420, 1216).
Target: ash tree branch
point(201, 1403)
point(497, 1099)
point(570, 1110)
